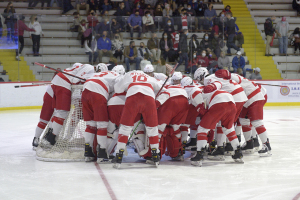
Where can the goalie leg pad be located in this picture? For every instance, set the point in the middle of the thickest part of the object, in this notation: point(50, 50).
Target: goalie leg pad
point(123, 136)
point(112, 142)
point(173, 141)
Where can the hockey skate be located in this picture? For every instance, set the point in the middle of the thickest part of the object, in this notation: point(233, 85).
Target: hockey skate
point(183, 147)
point(255, 143)
point(198, 159)
point(192, 143)
point(265, 150)
point(102, 156)
point(238, 156)
point(248, 147)
point(155, 156)
point(35, 143)
point(88, 153)
point(228, 150)
point(217, 154)
point(117, 160)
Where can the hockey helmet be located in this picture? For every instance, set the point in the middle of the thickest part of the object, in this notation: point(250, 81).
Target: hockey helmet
point(148, 68)
point(101, 67)
point(187, 81)
point(119, 69)
point(201, 73)
point(176, 78)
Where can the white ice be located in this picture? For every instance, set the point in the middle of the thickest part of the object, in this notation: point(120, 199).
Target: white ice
point(276, 177)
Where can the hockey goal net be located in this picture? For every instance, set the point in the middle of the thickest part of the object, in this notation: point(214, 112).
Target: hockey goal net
point(70, 142)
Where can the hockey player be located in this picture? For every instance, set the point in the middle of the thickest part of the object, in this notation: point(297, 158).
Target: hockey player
point(140, 95)
point(62, 96)
point(101, 67)
point(45, 116)
point(221, 107)
point(94, 98)
point(252, 110)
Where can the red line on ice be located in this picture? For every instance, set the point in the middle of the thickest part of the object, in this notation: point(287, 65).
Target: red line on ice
point(296, 197)
point(110, 191)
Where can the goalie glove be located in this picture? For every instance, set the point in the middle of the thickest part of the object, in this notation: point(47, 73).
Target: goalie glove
point(222, 73)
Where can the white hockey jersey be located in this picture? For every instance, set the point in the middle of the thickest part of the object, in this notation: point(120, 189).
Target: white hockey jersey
point(251, 89)
point(101, 83)
point(137, 82)
point(117, 99)
point(171, 91)
point(229, 86)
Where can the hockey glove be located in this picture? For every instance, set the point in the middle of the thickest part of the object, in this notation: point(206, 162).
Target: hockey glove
point(222, 73)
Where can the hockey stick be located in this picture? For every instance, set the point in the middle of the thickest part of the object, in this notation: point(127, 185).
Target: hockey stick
point(20, 86)
point(271, 85)
point(134, 131)
point(36, 63)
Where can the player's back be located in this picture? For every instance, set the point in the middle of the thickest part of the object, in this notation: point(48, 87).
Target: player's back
point(176, 90)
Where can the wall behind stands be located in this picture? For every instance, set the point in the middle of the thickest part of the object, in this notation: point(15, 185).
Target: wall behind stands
point(32, 97)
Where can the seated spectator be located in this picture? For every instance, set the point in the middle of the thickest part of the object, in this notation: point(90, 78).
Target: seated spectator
point(205, 43)
point(239, 62)
point(91, 50)
point(215, 42)
point(296, 6)
point(138, 9)
point(184, 23)
point(194, 63)
point(169, 27)
point(231, 33)
point(130, 54)
point(115, 27)
point(167, 15)
point(215, 28)
point(148, 23)
point(223, 61)
point(194, 44)
point(83, 28)
point(202, 59)
point(143, 5)
point(135, 23)
point(121, 11)
point(212, 62)
point(152, 3)
point(144, 53)
point(158, 11)
point(200, 15)
point(66, 6)
point(227, 9)
point(82, 5)
point(103, 26)
point(104, 46)
point(117, 46)
point(256, 74)
point(92, 19)
point(76, 22)
point(190, 13)
point(106, 6)
point(239, 37)
point(153, 45)
point(166, 46)
point(149, 8)
point(209, 15)
point(295, 40)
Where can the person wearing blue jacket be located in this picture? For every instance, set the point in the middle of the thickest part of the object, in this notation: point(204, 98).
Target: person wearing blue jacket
point(135, 23)
point(239, 62)
point(104, 46)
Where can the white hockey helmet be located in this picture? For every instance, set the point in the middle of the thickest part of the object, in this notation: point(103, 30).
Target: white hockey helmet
point(187, 81)
point(149, 68)
point(201, 73)
point(76, 64)
point(177, 76)
point(101, 67)
point(119, 69)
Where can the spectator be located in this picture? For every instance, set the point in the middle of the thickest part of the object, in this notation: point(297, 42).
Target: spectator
point(194, 62)
point(183, 49)
point(239, 37)
point(231, 33)
point(175, 48)
point(296, 6)
point(82, 5)
point(152, 3)
point(21, 27)
point(148, 23)
point(239, 62)
point(194, 4)
point(295, 40)
point(115, 27)
point(143, 5)
point(215, 42)
point(130, 54)
point(103, 26)
point(158, 11)
point(209, 15)
point(144, 53)
point(202, 59)
point(76, 22)
point(166, 46)
point(194, 44)
point(106, 6)
point(138, 9)
point(282, 29)
point(82, 30)
point(184, 24)
point(35, 36)
point(200, 15)
point(135, 23)
point(256, 74)
point(149, 8)
point(117, 46)
point(206, 44)
point(153, 45)
point(66, 6)
point(212, 62)
point(227, 9)
point(169, 27)
point(215, 28)
point(9, 21)
point(190, 13)
point(93, 4)
point(269, 32)
point(104, 46)
point(222, 22)
point(167, 15)
point(91, 50)
point(33, 3)
point(223, 61)
point(121, 11)
point(92, 19)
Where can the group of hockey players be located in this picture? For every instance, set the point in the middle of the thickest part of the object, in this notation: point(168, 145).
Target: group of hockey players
point(158, 114)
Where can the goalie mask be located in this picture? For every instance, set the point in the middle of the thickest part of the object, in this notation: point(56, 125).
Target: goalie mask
point(200, 74)
point(187, 81)
point(101, 67)
point(119, 69)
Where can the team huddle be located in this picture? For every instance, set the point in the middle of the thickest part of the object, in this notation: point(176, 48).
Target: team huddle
point(158, 114)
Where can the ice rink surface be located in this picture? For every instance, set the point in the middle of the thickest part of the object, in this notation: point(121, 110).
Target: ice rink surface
point(24, 177)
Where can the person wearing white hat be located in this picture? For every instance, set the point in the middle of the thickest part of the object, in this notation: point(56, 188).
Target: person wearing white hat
point(256, 74)
point(239, 62)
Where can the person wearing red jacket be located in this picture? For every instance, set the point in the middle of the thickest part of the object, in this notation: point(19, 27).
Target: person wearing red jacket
point(201, 60)
point(21, 27)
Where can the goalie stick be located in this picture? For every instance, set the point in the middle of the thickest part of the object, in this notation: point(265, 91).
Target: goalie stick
point(36, 63)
